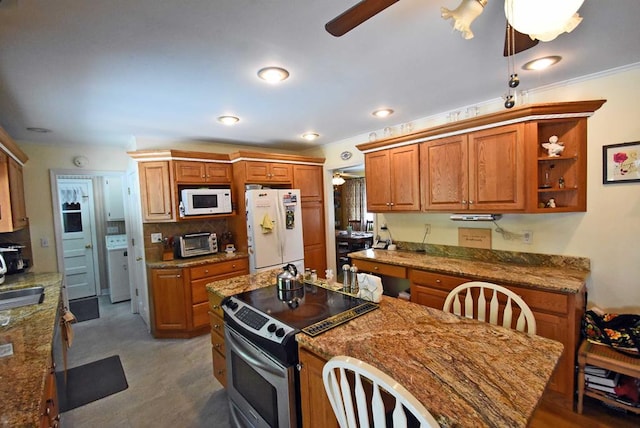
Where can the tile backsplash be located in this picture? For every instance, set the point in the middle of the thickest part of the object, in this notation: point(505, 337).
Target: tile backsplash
point(153, 251)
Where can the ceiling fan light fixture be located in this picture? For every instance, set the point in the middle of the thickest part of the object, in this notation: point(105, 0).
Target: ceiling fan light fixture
point(337, 180)
point(543, 19)
point(273, 74)
point(310, 136)
point(462, 16)
point(541, 63)
point(228, 120)
point(383, 112)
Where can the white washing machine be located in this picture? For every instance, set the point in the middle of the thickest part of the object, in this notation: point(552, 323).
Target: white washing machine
point(117, 268)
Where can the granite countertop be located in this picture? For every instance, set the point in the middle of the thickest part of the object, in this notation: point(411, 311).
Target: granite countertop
point(240, 284)
point(195, 261)
point(467, 373)
point(31, 330)
point(552, 276)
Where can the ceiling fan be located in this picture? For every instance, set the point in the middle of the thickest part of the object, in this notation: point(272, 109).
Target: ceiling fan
point(515, 41)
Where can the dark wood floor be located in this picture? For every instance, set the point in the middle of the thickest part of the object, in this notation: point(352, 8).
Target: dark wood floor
point(550, 414)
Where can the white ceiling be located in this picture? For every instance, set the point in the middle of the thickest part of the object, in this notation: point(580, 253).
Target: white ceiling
point(104, 71)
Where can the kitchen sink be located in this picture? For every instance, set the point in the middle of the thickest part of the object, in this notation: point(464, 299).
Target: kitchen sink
point(21, 297)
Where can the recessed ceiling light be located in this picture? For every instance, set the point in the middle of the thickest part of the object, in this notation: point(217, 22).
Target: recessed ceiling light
point(384, 112)
point(310, 136)
point(273, 74)
point(228, 120)
point(39, 130)
point(542, 63)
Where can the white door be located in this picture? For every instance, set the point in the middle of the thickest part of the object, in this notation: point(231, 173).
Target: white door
point(137, 271)
point(78, 237)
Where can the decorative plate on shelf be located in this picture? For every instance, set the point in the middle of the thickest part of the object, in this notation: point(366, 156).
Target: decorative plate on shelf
point(346, 155)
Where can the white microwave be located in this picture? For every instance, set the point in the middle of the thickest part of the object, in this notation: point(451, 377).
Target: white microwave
point(205, 201)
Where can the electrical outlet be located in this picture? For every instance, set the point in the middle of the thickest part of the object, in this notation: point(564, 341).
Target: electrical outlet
point(527, 237)
point(156, 238)
point(427, 228)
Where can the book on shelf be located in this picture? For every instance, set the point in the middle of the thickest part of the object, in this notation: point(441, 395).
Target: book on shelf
point(612, 379)
point(603, 388)
point(595, 370)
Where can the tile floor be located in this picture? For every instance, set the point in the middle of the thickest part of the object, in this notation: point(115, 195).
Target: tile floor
point(170, 380)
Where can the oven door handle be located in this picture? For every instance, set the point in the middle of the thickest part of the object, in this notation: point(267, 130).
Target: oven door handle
point(238, 345)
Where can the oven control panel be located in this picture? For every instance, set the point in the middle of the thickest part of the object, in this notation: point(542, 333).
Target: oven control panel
point(256, 321)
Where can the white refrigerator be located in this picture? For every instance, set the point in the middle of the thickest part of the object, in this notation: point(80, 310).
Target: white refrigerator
point(274, 229)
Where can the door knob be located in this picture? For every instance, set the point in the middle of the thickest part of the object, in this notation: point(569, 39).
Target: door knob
point(138, 259)
point(88, 246)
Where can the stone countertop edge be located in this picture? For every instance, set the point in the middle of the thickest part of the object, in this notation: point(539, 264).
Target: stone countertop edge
point(195, 261)
point(550, 278)
point(467, 373)
point(31, 330)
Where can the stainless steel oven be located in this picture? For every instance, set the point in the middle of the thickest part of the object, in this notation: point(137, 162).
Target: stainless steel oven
point(262, 391)
point(262, 354)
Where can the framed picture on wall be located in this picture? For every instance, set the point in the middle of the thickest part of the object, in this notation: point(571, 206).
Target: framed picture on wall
point(621, 163)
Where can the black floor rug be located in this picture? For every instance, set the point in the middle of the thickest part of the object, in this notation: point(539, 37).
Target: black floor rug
point(90, 382)
point(85, 309)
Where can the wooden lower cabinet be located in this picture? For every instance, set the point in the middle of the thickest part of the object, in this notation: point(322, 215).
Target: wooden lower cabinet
point(557, 317)
point(179, 297)
point(218, 348)
point(316, 409)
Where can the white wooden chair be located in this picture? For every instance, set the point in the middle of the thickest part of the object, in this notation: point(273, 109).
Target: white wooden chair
point(525, 322)
point(338, 388)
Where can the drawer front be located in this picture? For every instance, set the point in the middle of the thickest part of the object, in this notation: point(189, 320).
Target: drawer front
point(545, 301)
point(221, 268)
point(219, 367)
point(435, 280)
point(199, 291)
point(200, 314)
point(217, 323)
point(217, 343)
point(428, 296)
point(380, 268)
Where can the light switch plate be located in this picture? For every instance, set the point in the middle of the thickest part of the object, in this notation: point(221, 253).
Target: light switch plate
point(156, 238)
point(6, 350)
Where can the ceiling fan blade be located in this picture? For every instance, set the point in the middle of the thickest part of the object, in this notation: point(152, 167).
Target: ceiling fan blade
point(522, 42)
point(356, 15)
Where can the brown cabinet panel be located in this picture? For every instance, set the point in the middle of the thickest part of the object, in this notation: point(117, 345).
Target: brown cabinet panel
point(156, 191)
point(308, 178)
point(219, 368)
point(267, 172)
point(392, 179)
point(13, 213)
point(497, 169)
point(168, 299)
point(316, 409)
point(313, 234)
point(213, 269)
point(380, 268)
point(217, 343)
point(200, 314)
point(444, 173)
point(202, 172)
point(480, 171)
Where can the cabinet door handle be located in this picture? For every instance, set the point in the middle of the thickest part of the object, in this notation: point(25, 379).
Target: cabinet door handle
point(178, 276)
point(206, 271)
point(216, 306)
point(438, 281)
point(470, 202)
point(391, 203)
point(375, 268)
point(464, 202)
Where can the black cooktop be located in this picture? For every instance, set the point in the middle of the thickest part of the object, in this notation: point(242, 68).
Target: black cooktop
point(312, 309)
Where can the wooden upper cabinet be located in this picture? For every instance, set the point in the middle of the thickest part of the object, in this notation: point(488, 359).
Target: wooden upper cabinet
point(480, 171)
point(156, 190)
point(268, 172)
point(202, 172)
point(308, 178)
point(392, 179)
point(13, 213)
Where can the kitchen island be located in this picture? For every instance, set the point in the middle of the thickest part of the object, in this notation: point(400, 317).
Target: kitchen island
point(26, 376)
point(467, 373)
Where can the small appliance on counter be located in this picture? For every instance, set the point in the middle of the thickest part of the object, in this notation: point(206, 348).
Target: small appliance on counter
point(3, 269)
point(196, 244)
point(12, 254)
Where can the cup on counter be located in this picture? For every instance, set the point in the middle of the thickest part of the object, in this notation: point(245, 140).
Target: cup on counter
point(230, 249)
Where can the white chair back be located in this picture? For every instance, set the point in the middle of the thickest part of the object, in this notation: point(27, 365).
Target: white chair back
point(368, 412)
point(525, 322)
